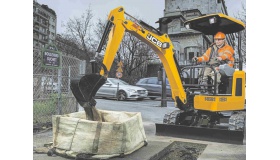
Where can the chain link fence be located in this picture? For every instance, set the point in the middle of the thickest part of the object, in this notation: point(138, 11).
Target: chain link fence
point(51, 89)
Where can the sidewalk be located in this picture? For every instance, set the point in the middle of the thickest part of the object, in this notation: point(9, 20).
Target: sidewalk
point(213, 151)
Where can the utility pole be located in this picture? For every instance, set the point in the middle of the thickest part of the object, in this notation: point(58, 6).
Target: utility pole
point(163, 86)
point(164, 29)
point(162, 78)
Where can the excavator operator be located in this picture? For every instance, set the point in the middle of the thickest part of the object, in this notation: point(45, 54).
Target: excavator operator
point(219, 51)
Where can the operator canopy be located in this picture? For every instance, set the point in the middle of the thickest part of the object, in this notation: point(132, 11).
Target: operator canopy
point(211, 24)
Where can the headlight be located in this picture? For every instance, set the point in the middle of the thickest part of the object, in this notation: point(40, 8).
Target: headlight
point(165, 45)
point(212, 20)
point(188, 26)
point(132, 90)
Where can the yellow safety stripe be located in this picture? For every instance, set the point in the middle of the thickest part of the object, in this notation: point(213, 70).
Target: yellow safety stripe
point(206, 55)
point(225, 55)
point(227, 51)
point(202, 58)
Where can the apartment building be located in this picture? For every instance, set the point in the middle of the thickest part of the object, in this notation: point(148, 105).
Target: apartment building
point(44, 25)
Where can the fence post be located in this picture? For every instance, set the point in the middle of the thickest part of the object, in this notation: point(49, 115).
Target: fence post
point(59, 105)
point(69, 78)
point(163, 91)
point(82, 71)
point(83, 67)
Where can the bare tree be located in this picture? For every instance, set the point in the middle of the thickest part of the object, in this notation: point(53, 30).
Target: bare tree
point(134, 53)
point(69, 47)
point(79, 31)
point(98, 30)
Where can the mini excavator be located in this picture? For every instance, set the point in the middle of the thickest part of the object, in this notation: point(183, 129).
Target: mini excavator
point(217, 115)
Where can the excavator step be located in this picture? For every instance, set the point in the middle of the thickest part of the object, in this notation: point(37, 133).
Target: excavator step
point(200, 133)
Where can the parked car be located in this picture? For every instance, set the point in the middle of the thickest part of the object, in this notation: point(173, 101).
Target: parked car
point(154, 87)
point(116, 88)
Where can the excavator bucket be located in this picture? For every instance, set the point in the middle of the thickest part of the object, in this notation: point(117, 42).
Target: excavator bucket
point(85, 87)
point(200, 133)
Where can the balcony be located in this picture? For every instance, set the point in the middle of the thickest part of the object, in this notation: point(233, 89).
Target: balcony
point(35, 36)
point(41, 14)
point(40, 31)
point(38, 22)
point(36, 28)
point(46, 39)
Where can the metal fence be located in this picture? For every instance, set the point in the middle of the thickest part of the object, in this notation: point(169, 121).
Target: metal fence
point(51, 89)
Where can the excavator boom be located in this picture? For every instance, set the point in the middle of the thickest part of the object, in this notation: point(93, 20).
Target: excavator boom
point(115, 29)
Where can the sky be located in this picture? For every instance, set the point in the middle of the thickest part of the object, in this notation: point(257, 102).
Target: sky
point(147, 10)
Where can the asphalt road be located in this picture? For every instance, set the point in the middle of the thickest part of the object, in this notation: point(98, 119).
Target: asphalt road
point(147, 107)
point(152, 113)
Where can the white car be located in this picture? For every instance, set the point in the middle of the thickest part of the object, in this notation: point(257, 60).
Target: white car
point(116, 88)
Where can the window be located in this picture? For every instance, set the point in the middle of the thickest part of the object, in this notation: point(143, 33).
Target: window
point(166, 82)
point(182, 24)
point(191, 55)
point(118, 81)
point(144, 81)
point(152, 81)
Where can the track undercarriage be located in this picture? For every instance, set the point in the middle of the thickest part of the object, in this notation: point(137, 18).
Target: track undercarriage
point(234, 120)
point(225, 127)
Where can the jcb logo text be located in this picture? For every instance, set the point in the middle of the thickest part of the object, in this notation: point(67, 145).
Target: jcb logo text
point(154, 40)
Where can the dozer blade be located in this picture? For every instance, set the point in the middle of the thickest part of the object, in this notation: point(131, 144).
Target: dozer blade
point(85, 87)
point(200, 133)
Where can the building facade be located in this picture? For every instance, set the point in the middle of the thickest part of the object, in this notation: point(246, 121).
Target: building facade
point(44, 25)
point(187, 42)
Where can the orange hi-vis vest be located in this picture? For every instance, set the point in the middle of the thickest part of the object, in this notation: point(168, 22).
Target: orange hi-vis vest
point(226, 53)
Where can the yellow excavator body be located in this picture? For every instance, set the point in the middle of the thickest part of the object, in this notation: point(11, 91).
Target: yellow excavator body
point(231, 102)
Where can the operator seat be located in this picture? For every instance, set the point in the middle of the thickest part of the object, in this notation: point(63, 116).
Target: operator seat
point(225, 86)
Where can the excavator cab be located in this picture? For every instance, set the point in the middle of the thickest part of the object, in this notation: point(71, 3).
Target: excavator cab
point(209, 25)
